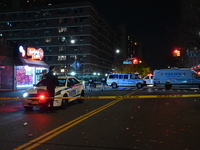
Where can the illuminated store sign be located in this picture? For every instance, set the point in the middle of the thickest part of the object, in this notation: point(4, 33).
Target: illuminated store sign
point(32, 52)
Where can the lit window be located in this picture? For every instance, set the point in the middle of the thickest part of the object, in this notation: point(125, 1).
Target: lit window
point(48, 40)
point(60, 30)
point(61, 58)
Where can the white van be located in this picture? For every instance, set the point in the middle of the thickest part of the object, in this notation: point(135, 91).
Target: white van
point(116, 80)
point(148, 79)
point(176, 77)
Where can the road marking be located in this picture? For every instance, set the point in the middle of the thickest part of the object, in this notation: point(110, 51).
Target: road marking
point(49, 135)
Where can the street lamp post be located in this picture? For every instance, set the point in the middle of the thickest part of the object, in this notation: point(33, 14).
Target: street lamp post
point(116, 52)
point(72, 41)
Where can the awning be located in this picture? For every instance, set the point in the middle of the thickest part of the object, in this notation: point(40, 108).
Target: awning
point(30, 62)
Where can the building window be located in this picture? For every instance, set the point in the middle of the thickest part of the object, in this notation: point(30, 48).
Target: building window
point(63, 29)
point(61, 48)
point(60, 58)
point(62, 11)
point(62, 39)
point(62, 20)
point(48, 40)
point(47, 31)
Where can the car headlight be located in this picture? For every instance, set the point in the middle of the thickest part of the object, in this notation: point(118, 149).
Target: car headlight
point(57, 93)
point(25, 95)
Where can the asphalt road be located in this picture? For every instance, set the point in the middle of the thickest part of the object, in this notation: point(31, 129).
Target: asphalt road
point(162, 123)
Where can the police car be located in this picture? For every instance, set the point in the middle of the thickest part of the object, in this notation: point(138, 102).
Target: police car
point(66, 87)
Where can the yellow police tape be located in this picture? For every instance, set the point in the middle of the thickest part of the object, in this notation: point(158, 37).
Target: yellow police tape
point(115, 97)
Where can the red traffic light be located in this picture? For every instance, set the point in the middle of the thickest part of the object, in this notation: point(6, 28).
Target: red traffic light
point(135, 61)
point(176, 53)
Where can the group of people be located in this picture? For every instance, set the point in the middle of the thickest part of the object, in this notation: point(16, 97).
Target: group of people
point(91, 83)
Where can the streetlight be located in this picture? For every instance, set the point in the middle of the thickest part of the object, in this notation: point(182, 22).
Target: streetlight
point(116, 52)
point(72, 41)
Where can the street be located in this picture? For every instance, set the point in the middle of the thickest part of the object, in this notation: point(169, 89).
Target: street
point(163, 123)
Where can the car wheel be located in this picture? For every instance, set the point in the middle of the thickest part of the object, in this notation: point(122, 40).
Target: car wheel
point(65, 102)
point(81, 100)
point(114, 85)
point(139, 85)
point(28, 108)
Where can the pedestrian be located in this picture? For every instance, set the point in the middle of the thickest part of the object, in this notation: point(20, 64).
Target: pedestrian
point(90, 83)
point(51, 81)
point(103, 83)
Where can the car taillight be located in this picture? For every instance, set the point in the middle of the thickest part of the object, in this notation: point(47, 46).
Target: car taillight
point(42, 97)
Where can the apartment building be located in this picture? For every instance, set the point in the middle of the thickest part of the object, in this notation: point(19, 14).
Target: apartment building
point(54, 27)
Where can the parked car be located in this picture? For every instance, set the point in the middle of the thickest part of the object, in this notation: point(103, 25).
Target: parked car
point(66, 87)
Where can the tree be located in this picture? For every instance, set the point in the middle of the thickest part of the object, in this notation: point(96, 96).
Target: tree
point(142, 69)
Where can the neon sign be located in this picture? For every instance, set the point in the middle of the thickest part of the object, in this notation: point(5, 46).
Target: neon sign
point(32, 52)
point(35, 53)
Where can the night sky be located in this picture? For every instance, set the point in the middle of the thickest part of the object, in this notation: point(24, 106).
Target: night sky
point(154, 23)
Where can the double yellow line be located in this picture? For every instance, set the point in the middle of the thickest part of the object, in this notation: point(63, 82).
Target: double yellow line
point(49, 135)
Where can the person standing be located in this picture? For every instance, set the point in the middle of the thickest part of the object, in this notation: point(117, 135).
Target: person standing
point(90, 83)
point(103, 83)
point(51, 81)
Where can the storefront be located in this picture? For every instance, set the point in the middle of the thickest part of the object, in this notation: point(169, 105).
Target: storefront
point(29, 66)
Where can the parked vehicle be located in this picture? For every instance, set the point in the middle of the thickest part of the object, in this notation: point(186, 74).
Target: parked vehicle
point(116, 80)
point(66, 87)
point(148, 79)
point(176, 77)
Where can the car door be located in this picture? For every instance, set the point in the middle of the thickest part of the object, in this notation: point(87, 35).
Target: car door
point(71, 88)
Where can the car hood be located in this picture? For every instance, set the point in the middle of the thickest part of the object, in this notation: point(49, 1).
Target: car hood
point(34, 90)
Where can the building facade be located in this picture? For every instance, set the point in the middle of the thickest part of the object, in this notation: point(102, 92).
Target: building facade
point(53, 27)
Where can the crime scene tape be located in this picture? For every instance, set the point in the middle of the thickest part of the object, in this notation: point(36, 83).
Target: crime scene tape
point(16, 98)
point(114, 97)
point(126, 97)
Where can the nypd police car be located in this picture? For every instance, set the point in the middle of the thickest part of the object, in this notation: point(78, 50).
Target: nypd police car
point(66, 87)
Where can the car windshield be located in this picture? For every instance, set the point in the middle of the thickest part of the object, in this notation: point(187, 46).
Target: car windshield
point(61, 82)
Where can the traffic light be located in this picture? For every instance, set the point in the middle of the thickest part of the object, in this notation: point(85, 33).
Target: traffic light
point(135, 61)
point(176, 53)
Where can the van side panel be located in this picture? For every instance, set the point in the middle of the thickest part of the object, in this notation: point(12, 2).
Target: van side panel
point(123, 80)
point(176, 77)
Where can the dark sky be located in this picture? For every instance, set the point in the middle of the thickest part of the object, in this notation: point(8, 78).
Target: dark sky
point(152, 22)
